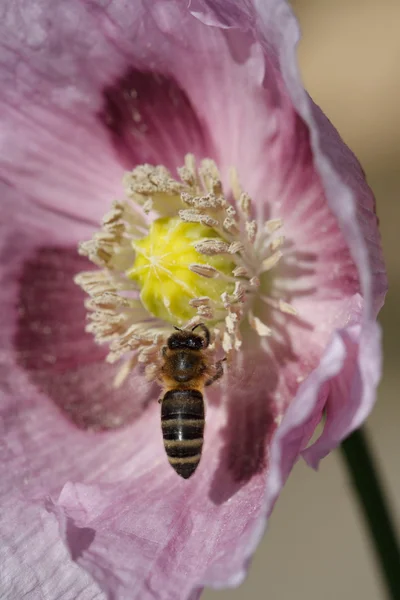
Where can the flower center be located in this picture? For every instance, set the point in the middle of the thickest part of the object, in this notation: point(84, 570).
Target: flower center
point(181, 253)
point(165, 269)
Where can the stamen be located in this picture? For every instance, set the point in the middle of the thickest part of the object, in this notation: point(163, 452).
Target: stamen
point(210, 176)
point(254, 282)
point(230, 225)
point(240, 272)
point(273, 225)
point(213, 246)
point(259, 326)
point(245, 205)
point(277, 243)
point(125, 370)
point(203, 301)
point(271, 261)
point(251, 228)
point(236, 247)
point(208, 202)
point(204, 270)
point(235, 184)
point(188, 173)
point(192, 216)
point(280, 305)
point(205, 312)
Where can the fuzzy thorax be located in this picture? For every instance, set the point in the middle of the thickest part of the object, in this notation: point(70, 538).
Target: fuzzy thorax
point(179, 253)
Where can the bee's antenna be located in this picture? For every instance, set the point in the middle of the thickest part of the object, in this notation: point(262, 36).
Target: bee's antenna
point(206, 333)
point(177, 328)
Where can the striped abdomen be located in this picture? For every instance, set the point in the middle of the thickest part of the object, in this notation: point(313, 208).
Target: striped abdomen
point(182, 422)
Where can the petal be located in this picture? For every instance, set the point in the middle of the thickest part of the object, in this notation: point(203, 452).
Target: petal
point(351, 393)
point(34, 561)
point(348, 197)
point(129, 501)
point(350, 386)
point(88, 104)
point(293, 117)
point(56, 353)
point(178, 534)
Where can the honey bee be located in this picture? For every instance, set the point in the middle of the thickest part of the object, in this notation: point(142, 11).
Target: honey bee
point(186, 369)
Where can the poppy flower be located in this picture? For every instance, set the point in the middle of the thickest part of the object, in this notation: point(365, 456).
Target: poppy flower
point(272, 229)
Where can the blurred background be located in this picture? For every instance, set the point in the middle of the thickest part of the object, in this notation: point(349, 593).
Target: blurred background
point(316, 547)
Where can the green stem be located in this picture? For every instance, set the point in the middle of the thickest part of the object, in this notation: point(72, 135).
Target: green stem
point(374, 506)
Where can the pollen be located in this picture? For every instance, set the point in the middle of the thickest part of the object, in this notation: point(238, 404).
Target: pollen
point(167, 265)
point(182, 251)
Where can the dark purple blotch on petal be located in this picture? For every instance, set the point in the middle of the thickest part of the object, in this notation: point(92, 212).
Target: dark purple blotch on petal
point(151, 120)
point(251, 423)
point(61, 359)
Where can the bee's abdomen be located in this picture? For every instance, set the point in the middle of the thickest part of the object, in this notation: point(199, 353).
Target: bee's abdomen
point(182, 422)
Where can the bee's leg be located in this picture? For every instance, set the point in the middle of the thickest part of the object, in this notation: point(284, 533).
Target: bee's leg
point(219, 371)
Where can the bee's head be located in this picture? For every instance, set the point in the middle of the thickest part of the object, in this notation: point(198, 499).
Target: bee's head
point(187, 340)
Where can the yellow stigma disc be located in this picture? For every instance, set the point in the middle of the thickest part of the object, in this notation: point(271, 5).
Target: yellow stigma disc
point(161, 269)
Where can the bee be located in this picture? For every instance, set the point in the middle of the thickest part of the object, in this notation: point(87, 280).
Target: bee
point(186, 369)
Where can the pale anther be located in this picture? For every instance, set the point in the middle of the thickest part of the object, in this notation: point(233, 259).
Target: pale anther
point(204, 270)
point(273, 225)
point(212, 246)
point(271, 261)
point(258, 326)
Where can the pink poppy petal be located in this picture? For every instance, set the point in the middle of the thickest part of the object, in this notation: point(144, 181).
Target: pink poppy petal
point(160, 521)
point(352, 203)
point(349, 199)
point(131, 503)
point(58, 356)
point(53, 378)
point(162, 530)
point(93, 103)
point(352, 392)
point(29, 531)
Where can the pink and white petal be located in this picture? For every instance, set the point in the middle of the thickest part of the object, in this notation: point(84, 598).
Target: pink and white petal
point(159, 536)
point(162, 522)
point(347, 193)
point(319, 276)
point(338, 367)
point(357, 364)
point(351, 393)
point(34, 561)
point(22, 232)
point(295, 137)
point(349, 199)
point(58, 356)
point(125, 516)
point(83, 96)
point(52, 372)
point(293, 434)
point(352, 203)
